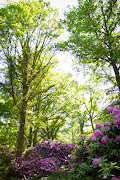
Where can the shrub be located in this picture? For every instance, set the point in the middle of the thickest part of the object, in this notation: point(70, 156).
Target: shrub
point(6, 155)
point(41, 161)
point(99, 156)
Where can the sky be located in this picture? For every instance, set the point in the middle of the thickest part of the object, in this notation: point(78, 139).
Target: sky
point(59, 4)
point(62, 4)
point(65, 58)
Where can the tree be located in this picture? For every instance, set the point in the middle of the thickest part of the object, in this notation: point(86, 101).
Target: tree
point(94, 34)
point(49, 110)
point(27, 32)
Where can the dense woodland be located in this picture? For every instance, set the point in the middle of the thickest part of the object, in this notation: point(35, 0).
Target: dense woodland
point(39, 102)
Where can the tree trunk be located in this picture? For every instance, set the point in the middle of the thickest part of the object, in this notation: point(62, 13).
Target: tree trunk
point(91, 119)
point(30, 137)
point(81, 128)
point(21, 134)
point(117, 75)
point(35, 137)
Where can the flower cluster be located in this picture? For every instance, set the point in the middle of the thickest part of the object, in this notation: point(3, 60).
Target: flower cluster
point(43, 160)
point(95, 158)
point(96, 161)
point(97, 132)
point(101, 157)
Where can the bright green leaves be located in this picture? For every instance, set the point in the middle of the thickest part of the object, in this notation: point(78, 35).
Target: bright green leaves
point(94, 28)
point(25, 18)
point(91, 25)
point(28, 31)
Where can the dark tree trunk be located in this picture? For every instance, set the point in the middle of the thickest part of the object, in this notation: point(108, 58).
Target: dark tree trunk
point(21, 134)
point(117, 75)
point(91, 119)
point(35, 137)
point(30, 137)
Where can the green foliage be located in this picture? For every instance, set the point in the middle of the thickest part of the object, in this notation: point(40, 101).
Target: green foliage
point(94, 34)
point(99, 156)
point(28, 31)
point(6, 155)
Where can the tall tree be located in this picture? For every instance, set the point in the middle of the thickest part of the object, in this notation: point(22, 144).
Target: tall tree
point(94, 33)
point(50, 108)
point(27, 32)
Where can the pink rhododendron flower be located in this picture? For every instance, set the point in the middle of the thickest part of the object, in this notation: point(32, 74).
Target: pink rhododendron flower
point(109, 109)
point(97, 132)
point(96, 161)
point(116, 121)
point(118, 138)
point(115, 178)
point(107, 127)
point(72, 166)
point(115, 107)
point(106, 123)
point(115, 110)
point(93, 137)
point(104, 139)
point(73, 157)
point(98, 125)
point(78, 147)
point(110, 114)
point(82, 136)
point(86, 145)
point(117, 115)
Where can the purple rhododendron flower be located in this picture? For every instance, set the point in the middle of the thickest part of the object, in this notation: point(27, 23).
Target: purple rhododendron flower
point(115, 110)
point(96, 161)
point(107, 127)
point(115, 107)
point(86, 145)
point(109, 109)
point(98, 125)
point(78, 147)
point(93, 137)
point(104, 139)
point(106, 123)
point(82, 136)
point(73, 157)
point(118, 138)
point(116, 121)
point(97, 132)
point(117, 115)
point(115, 178)
point(110, 114)
point(72, 166)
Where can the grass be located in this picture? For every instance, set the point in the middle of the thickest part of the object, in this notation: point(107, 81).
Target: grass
point(57, 176)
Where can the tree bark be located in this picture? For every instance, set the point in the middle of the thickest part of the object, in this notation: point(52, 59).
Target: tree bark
point(91, 119)
point(30, 137)
point(21, 135)
point(117, 75)
point(35, 137)
point(81, 127)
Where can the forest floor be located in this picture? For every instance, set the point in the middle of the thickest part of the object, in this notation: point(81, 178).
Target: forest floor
point(57, 176)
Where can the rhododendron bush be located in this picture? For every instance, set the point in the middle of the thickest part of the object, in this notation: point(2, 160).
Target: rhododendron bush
point(99, 156)
point(95, 158)
point(6, 155)
point(43, 160)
